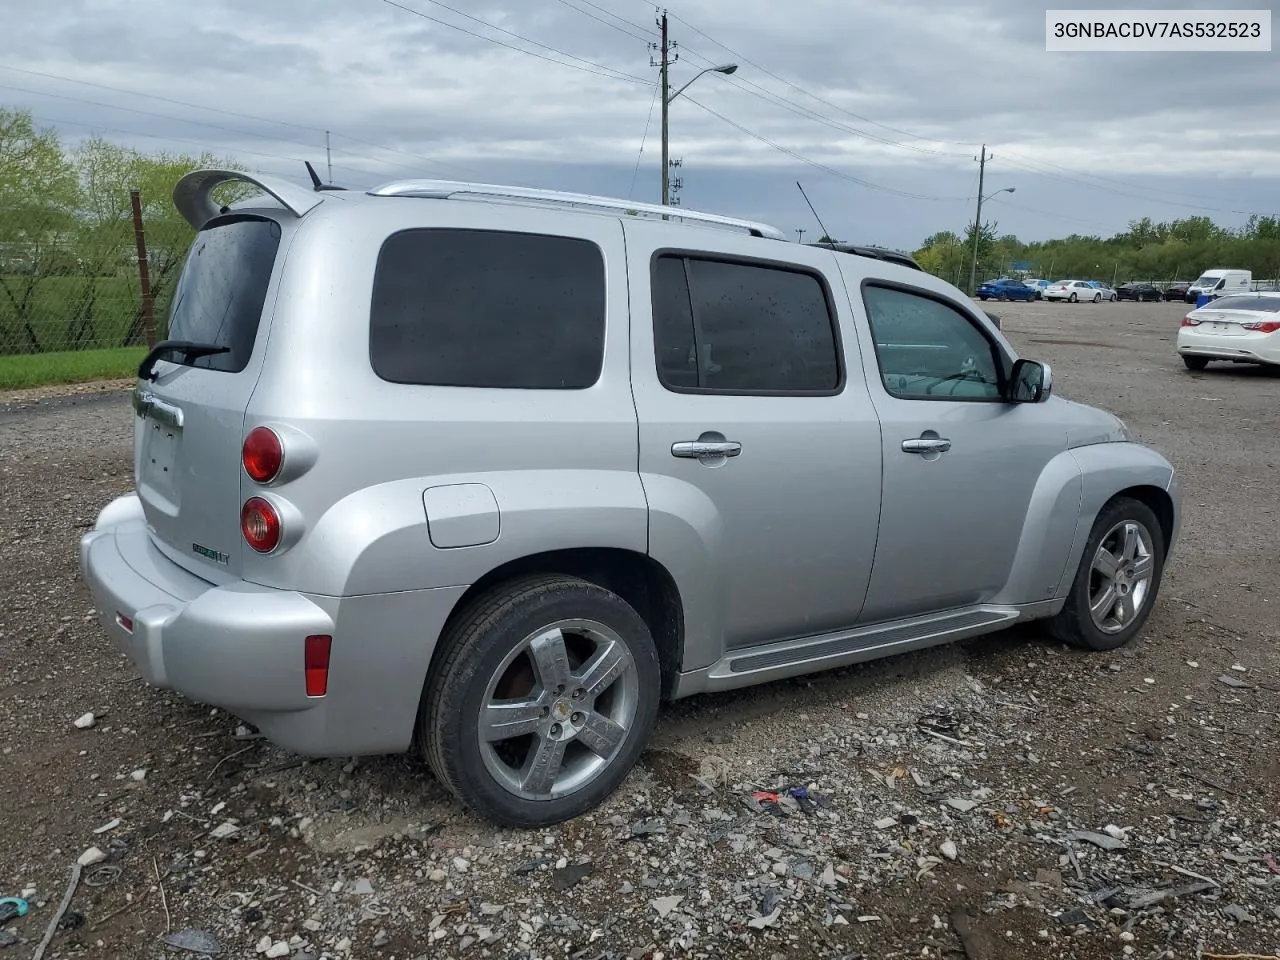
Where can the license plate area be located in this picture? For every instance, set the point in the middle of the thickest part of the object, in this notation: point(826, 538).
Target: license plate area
point(159, 464)
point(1225, 329)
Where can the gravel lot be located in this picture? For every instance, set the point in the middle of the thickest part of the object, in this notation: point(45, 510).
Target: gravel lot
point(1005, 797)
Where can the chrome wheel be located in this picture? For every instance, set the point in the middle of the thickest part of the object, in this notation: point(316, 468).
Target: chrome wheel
point(1120, 576)
point(558, 709)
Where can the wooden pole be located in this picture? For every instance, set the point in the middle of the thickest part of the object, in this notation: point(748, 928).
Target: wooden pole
point(144, 275)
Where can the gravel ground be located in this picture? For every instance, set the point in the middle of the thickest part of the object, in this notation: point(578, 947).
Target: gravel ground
point(1001, 798)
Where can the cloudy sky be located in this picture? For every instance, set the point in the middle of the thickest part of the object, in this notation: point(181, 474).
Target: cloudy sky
point(878, 108)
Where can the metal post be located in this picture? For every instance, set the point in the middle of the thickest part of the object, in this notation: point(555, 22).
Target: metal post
point(977, 223)
point(328, 156)
point(666, 180)
point(144, 275)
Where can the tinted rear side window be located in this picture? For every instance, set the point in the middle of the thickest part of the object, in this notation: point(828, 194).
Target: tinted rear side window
point(223, 287)
point(484, 308)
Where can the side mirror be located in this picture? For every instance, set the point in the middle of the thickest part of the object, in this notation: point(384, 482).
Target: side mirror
point(1030, 382)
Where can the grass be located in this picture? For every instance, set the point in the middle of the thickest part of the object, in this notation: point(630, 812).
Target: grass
point(72, 366)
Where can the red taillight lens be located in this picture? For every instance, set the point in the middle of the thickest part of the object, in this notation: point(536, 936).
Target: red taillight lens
point(262, 454)
point(1263, 326)
point(1189, 321)
point(315, 663)
point(260, 524)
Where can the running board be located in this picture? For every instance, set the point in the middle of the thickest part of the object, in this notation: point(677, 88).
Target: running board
point(792, 658)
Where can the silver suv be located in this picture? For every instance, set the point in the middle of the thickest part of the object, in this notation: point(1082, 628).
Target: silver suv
point(486, 473)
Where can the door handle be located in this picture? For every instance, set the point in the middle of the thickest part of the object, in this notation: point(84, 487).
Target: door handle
point(926, 445)
point(705, 449)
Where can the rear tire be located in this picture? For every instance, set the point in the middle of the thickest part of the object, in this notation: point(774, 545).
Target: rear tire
point(1118, 580)
point(1073, 299)
point(564, 677)
point(1195, 363)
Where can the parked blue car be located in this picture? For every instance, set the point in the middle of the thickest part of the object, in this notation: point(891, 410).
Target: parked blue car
point(1007, 290)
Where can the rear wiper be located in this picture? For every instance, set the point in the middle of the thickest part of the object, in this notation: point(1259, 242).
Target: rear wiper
point(187, 349)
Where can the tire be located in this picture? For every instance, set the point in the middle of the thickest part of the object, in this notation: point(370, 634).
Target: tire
point(1076, 623)
point(1195, 363)
point(982, 298)
point(489, 647)
point(1097, 298)
point(1073, 299)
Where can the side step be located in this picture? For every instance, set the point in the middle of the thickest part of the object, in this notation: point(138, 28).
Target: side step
point(791, 658)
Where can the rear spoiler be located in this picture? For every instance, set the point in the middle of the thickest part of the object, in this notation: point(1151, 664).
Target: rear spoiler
point(191, 195)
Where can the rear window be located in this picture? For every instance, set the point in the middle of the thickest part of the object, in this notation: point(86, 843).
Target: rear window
point(223, 287)
point(1266, 304)
point(486, 308)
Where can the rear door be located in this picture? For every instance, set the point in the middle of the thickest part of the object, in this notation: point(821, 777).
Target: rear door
point(759, 447)
point(190, 418)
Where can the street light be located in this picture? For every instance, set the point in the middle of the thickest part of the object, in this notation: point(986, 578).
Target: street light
point(725, 68)
point(977, 228)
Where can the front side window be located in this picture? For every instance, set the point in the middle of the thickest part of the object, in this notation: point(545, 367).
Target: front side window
point(742, 328)
point(487, 308)
point(929, 350)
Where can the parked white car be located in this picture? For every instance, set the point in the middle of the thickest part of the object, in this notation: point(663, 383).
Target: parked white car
point(1072, 291)
point(1244, 328)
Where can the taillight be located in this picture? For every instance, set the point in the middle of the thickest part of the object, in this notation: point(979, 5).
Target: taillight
point(262, 454)
point(260, 524)
point(1262, 326)
point(1190, 321)
point(315, 664)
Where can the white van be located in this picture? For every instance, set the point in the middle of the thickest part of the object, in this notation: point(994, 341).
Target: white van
point(1220, 283)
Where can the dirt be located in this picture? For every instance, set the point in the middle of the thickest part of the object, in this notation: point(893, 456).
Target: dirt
point(1032, 739)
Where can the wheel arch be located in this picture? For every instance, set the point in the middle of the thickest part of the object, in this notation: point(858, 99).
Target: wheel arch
point(637, 578)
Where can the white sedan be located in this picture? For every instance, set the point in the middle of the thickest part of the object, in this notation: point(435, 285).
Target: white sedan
point(1240, 328)
point(1073, 291)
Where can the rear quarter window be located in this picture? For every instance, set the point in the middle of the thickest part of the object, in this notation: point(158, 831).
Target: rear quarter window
point(223, 287)
point(486, 308)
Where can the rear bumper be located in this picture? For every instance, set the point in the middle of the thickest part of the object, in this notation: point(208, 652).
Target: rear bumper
point(1248, 348)
point(240, 645)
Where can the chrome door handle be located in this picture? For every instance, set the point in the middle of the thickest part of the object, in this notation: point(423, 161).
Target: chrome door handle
point(700, 449)
point(926, 445)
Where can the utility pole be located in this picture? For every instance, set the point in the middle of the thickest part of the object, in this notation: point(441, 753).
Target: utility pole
point(328, 157)
point(799, 234)
point(665, 59)
point(977, 222)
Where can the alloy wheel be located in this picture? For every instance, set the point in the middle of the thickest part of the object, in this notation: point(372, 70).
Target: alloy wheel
point(1120, 576)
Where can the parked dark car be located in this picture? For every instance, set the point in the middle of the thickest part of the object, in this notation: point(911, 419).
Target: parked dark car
point(1138, 291)
point(1007, 290)
point(1176, 291)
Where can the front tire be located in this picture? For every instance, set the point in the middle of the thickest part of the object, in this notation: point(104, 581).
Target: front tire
point(1116, 586)
point(1195, 363)
point(544, 695)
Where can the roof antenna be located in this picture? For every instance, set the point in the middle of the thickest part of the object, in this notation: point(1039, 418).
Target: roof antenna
point(316, 183)
point(830, 239)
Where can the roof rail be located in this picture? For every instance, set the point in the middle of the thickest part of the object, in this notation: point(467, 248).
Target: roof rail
point(448, 189)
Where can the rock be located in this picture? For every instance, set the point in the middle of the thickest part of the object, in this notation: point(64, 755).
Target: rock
point(343, 945)
point(884, 823)
point(779, 869)
point(802, 870)
point(90, 857)
point(1224, 679)
point(664, 905)
point(311, 925)
point(85, 722)
point(107, 827)
point(959, 803)
point(570, 875)
point(1098, 839)
point(1238, 913)
point(263, 945)
point(7, 939)
point(361, 887)
point(491, 909)
point(759, 923)
point(437, 876)
point(224, 830)
point(194, 941)
point(828, 877)
point(461, 865)
point(381, 939)
point(28, 893)
point(278, 949)
point(948, 849)
point(1119, 833)
point(1072, 917)
point(138, 776)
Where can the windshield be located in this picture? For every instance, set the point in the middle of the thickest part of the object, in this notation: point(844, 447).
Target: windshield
point(1266, 304)
point(1207, 280)
point(223, 287)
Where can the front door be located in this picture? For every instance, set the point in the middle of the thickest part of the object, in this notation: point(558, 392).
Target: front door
point(960, 463)
point(759, 447)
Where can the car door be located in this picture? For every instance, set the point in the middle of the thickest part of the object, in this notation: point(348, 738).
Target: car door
point(759, 445)
point(960, 463)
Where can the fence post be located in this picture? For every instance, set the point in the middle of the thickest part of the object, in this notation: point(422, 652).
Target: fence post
point(144, 275)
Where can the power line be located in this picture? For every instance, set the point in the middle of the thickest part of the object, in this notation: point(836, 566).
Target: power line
point(814, 163)
point(644, 36)
point(648, 120)
point(596, 69)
